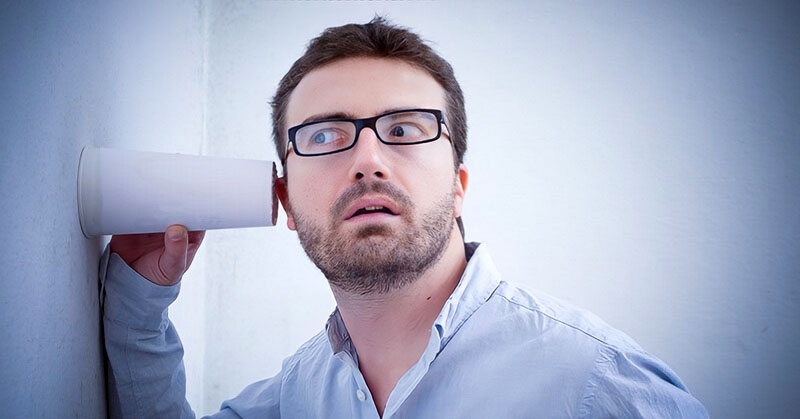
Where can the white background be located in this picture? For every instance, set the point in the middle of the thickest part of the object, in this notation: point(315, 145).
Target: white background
point(637, 159)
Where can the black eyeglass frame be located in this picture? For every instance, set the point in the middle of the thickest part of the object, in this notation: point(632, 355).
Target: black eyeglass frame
point(367, 123)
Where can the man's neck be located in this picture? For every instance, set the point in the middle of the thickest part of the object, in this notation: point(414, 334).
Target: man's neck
point(391, 331)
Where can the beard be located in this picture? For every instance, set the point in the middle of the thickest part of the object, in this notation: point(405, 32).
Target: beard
point(377, 258)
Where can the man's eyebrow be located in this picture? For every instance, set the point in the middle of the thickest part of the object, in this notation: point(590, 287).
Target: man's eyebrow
point(339, 114)
point(328, 115)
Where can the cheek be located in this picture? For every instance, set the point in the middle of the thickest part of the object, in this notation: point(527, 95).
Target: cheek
point(433, 178)
point(432, 158)
point(309, 197)
point(435, 165)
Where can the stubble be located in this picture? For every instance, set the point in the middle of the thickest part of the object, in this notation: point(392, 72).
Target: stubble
point(377, 258)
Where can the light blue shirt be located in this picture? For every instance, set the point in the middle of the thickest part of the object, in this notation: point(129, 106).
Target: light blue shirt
point(495, 351)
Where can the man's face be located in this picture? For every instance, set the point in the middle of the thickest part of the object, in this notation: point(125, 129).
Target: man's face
point(374, 252)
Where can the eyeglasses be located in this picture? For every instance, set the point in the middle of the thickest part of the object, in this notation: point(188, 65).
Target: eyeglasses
point(401, 127)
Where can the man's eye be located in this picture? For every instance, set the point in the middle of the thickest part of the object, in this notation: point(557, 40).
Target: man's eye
point(397, 131)
point(323, 137)
point(404, 131)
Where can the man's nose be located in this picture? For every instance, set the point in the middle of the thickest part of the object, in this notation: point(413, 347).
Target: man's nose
point(369, 159)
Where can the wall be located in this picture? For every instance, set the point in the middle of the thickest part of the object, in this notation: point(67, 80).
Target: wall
point(123, 75)
point(639, 160)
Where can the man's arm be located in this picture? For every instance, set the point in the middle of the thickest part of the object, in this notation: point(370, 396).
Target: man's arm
point(145, 374)
point(634, 384)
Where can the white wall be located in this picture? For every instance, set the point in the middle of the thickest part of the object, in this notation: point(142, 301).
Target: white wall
point(639, 160)
point(124, 75)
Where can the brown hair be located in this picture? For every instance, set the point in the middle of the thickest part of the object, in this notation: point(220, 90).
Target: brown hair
point(378, 38)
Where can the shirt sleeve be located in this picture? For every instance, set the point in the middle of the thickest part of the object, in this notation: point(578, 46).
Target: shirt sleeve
point(145, 374)
point(634, 384)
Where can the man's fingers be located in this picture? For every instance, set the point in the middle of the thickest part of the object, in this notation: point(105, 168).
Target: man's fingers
point(172, 262)
point(197, 236)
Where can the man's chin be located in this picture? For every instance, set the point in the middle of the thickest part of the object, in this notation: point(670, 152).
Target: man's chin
point(370, 248)
point(373, 231)
point(370, 244)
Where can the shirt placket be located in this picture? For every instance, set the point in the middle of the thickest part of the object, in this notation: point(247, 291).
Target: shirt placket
point(360, 394)
point(408, 382)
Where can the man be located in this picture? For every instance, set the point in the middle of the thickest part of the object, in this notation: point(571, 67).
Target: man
point(371, 130)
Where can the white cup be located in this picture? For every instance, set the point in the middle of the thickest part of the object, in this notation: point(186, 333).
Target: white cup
point(126, 192)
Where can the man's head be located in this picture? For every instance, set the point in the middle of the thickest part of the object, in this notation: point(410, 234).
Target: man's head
point(375, 216)
point(376, 39)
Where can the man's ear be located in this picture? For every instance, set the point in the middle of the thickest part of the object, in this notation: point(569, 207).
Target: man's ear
point(283, 195)
point(462, 179)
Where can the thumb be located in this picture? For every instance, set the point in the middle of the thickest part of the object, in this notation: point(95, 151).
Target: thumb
point(172, 261)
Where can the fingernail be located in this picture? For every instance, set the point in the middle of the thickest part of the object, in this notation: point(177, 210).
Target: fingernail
point(175, 234)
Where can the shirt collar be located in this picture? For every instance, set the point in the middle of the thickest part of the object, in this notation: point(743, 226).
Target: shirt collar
point(477, 283)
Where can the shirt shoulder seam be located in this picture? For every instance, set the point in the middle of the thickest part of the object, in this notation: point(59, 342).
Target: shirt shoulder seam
point(536, 310)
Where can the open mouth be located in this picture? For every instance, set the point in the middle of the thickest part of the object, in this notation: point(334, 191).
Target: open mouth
point(369, 208)
point(372, 210)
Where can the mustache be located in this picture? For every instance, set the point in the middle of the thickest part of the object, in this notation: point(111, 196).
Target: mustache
point(360, 189)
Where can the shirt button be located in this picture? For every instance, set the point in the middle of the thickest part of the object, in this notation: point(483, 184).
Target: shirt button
point(361, 396)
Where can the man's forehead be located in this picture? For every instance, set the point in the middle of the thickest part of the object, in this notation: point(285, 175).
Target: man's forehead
point(361, 87)
point(353, 115)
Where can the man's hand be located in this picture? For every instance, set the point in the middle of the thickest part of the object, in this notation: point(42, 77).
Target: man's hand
point(162, 258)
